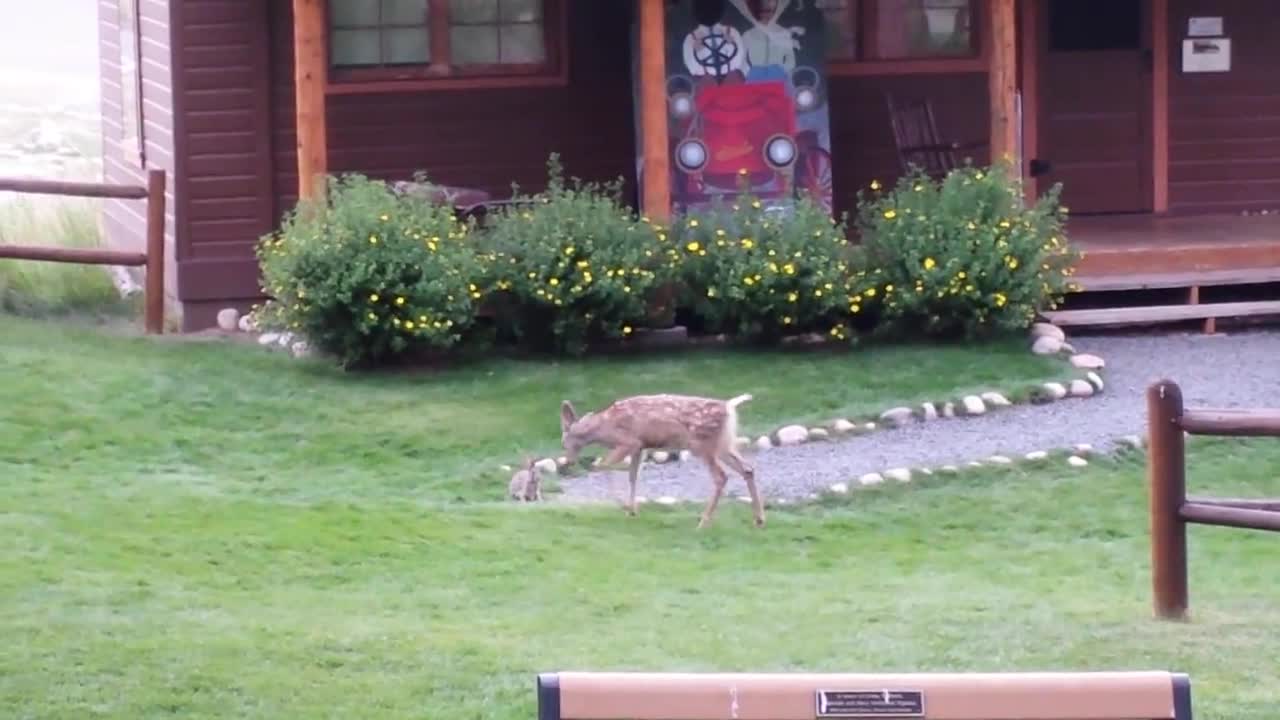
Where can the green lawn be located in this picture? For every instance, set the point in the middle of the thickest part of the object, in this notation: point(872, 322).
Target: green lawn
point(209, 532)
point(234, 420)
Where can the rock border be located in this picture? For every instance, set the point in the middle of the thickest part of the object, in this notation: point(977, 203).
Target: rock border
point(1076, 457)
point(1087, 383)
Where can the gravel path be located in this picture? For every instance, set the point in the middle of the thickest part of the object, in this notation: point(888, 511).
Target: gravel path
point(1221, 370)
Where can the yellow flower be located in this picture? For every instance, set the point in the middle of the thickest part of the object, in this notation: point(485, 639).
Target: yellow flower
point(1011, 261)
point(408, 324)
point(693, 246)
point(793, 297)
point(372, 316)
point(373, 297)
point(890, 214)
point(711, 292)
point(787, 320)
point(583, 264)
point(755, 204)
point(1001, 299)
point(747, 243)
point(399, 301)
point(569, 250)
point(930, 263)
point(789, 269)
point(875, 185)
point(960, 275)
point(383, 217)
point(888, 288)
point(626, 329)
point(693, 222)
point(871, 292)
point(719, 232)
point(748, 281)
point(373, 239)
point(553, 281)
point(855, 308)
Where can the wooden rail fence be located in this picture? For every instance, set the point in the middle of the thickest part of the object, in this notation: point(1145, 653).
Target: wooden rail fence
point(1170, 506)
point(152, 259)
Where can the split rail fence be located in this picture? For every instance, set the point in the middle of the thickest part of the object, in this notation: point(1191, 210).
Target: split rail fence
point(152, 259)
point(1168, 422)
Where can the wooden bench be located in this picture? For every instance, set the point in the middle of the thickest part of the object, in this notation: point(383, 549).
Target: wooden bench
point(992, 696)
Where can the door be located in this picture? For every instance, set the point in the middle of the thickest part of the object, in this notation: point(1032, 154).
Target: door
point(1095, 107)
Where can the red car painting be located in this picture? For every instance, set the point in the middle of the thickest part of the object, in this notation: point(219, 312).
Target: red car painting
point(726, 134)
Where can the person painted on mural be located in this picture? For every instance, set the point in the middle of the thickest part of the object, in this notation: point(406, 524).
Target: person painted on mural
point(714, 50)
point(770, 47)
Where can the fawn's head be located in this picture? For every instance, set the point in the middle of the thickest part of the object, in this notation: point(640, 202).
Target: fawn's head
point(572, 437)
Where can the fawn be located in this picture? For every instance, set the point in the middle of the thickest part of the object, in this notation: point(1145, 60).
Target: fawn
point(707, 427)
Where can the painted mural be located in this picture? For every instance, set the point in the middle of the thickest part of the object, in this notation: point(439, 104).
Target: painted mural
point(746, 101)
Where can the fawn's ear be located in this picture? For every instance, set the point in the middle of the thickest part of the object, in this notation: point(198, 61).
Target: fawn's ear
point(567, 415)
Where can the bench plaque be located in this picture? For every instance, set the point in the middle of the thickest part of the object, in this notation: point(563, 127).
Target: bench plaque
point(870, 704)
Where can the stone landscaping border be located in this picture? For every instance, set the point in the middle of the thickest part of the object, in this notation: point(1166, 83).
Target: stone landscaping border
point(1045, 340)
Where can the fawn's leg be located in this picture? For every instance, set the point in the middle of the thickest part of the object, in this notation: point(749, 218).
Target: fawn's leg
point(748, 473)
point(611, 460)
point(631, 475)
point(719, 478)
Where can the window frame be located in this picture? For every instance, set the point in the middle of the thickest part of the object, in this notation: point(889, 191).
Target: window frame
point(132, 141)
point(863, 13)
point(442, 76)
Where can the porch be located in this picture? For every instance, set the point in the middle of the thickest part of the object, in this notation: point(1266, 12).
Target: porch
point(1143, 268)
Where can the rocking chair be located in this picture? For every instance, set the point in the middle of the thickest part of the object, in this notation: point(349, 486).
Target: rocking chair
point(915, 131)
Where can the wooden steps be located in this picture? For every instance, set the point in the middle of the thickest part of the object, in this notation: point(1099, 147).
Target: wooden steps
point(1161, 281)
point(1155, 314)
point(1193, 309)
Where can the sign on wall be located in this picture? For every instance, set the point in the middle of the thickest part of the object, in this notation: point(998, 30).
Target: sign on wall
point(747, 101)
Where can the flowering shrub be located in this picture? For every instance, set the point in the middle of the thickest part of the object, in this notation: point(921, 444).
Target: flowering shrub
point(762, 275)
point(369, 273)
point(570, 265)
point(963, 256)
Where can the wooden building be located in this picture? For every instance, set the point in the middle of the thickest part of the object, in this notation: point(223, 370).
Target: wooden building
point(1161, 117)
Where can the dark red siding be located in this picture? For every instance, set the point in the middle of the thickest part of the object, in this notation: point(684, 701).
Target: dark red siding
point(227, 203)
point(1224, 128)
point(124, 221)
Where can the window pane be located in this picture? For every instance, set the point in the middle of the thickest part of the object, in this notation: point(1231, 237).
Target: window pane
point(355, 47)
point(474, 44)
point(840, 27)
point(523, 44)
point(521, 11)
point(471, 12)
point(922, 28)
point(405, 45)
point(353, 13)
point(404, 12)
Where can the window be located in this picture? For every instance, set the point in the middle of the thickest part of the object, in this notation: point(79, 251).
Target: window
point(424, 39)
point(869, 30)
point(127, 22)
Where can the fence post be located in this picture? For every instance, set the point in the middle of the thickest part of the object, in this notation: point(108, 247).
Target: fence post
point(154, 300)
point(1166, 476)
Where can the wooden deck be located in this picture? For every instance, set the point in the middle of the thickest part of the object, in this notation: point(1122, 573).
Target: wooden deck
point(1199, 267)
point(1147, 245)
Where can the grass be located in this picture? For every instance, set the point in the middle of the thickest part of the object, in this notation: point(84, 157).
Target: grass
point(206, 532)
point(38, 289)
point(241, 421)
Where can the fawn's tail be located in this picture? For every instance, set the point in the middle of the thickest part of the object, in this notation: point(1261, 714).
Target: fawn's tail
point(735, 402)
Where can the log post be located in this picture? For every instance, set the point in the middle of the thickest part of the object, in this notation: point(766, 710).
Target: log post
point(153, 314)
point(1166, 477)
point(309, 76)
point(655, 200)
point(1002, 84)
